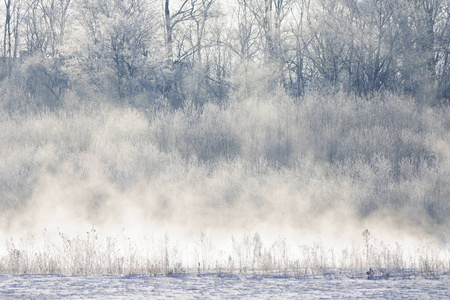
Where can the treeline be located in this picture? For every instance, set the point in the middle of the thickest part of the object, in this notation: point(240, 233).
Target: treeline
point(197, 51)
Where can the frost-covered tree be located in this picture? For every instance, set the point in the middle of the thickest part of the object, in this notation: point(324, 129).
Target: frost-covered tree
point(45, 24)
point(13, 10)
point(188, 32)
point(172, 19)
point(13, 16)
point(372, 45)
point(376, 28)
point(271, 16)
point(426, 58)
point(119, 50)
point(298, 40)
point(329, 46)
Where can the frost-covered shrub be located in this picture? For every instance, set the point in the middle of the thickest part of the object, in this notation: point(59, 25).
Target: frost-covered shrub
point(267, 159)
point(37, 84)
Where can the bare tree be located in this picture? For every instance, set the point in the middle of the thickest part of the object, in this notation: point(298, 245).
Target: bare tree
point(247, 32)
point(45, 24)
point(328, 48)
point(13, 11)
point(270, 18)
point(270, 15)
point(298, 42)
point(171, 20)
point(200, 16)
point(431, 25)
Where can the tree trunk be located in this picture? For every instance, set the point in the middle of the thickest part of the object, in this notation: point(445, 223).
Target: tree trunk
point(168, 26)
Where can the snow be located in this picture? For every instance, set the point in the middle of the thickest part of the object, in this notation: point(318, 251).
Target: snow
point(213, 287)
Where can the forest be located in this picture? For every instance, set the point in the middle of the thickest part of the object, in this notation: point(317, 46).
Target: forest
point(204, 51)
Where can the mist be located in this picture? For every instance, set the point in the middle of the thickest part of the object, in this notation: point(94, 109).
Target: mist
point(323, 168)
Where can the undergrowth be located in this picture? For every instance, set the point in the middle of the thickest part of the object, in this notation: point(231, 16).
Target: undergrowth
point(91, 254)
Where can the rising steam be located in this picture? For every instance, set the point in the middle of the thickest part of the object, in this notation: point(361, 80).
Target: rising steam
point(318, 169)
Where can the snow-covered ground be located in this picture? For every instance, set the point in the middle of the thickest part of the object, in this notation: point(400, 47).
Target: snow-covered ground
point(213, 287)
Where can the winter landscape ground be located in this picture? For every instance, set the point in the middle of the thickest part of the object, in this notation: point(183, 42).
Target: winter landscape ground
point(211, 287)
